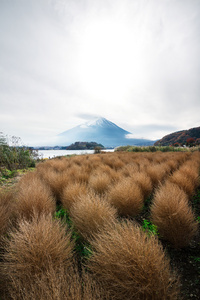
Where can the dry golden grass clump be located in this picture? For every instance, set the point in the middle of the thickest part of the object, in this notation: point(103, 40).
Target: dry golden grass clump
point(7, 210)
point(132, 265)
point(93, 290)
point(113, 161)
point(127, 197)
point(78, 160)
point(157, 173)
point(74, 172)
point(58, 284)
point(99, 182)
point(91, 214)
point(33, 195)
point(93, 161)
point(113, 174)
point(54, 284)
point(82, 176)
point(173, 164)
point(56, 181)
point(191, 170)
point(143, 163)
point(129, 169)
point(184, 181)
point(181, 157)
point(33, 250)
point(144, 181)
point(57, 164)
point(159, 158)
point(173, 216)
point(196, 158)
point(71, 193)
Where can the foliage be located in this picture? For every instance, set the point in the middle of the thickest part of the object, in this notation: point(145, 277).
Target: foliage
point(97, 149)
point(195, 258)
point(82, 249)
point(84, 146)
point(190, 141)
point(63, 215)
point(181, 137)
point(151, 149)
point(5, 173)
point(149, 227)
point(15, 156)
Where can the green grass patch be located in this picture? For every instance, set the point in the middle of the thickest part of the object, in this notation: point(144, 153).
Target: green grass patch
point(149, 228)
point(82, 248)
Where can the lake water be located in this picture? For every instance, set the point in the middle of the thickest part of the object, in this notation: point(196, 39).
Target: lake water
point(55, 153)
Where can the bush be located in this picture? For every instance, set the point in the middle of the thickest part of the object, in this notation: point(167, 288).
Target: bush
point(127, 197)
point(35, 248)
point(57, 181)
point(33, 195)
point(97, 149)
point(132, 265)
point(71, 193)
point(145, 183)
point(183, 180)
point(91, 214)
point(99, 182)
point(7, 208)
point(157, 172)
point(16, 156)
point(172, 215)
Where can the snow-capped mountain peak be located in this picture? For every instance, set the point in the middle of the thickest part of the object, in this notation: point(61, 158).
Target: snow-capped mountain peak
point(98, 130)
point(97, 122)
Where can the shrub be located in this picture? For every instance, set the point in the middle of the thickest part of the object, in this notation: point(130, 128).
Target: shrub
point(191, 171)
point(157, 172)
point(144, 181)
point(56, 181)
point(127, 197)
point(91, 214)
point(16, 156)
point(71, 193)
point(104, 169)
point(99, 182)
point(82, 176)
point(33, 196)
point(113, 161)
point(97, 149)
point(184, 181)
point(131, 264)
point(7, 207)
point(129, 169)
point(173, 216)
point(173, 164)
point(54, 284)
point(33, 249)
point(93, 289)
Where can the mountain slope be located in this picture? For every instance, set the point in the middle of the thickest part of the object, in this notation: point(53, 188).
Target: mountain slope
point(99, 130)
point(180, 137)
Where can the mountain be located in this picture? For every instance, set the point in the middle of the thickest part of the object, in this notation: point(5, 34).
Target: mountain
point(182, 137)
point(101, 131)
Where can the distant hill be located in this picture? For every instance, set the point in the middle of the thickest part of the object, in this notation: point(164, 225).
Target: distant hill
point(103, 132)
point(183, 137)
point(84, 146)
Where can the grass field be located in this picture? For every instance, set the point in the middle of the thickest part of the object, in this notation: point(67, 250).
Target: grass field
point(122, 225)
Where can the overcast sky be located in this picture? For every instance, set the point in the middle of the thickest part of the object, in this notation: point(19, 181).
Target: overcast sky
point(134, 62)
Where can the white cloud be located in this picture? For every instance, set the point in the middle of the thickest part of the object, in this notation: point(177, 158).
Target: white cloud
point(133, 62)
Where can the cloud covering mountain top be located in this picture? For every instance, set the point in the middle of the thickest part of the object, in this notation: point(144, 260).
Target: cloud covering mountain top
point(99, 130)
